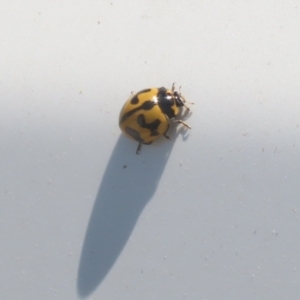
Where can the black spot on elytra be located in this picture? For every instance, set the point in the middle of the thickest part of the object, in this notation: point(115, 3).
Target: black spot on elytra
point(135, 134)
point(144, 91)
point(147, 105)
point(152, 126)
point(135, 99)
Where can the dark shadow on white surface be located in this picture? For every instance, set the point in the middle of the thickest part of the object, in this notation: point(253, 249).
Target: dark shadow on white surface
point(129, 182)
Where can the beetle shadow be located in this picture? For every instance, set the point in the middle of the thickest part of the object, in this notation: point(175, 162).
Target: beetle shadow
point(128, 183)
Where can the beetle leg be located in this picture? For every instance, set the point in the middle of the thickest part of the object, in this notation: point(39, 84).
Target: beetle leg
point(181, 122)
point(167, 137)
point(165, 134)
point(138, 148)
point(186, 107)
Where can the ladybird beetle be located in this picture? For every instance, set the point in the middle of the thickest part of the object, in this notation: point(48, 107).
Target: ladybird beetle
point(147, 114)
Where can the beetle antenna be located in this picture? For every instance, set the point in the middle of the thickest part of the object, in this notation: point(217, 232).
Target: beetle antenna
point(173, 86)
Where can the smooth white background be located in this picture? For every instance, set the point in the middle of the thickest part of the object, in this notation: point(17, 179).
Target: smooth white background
point(211, 214)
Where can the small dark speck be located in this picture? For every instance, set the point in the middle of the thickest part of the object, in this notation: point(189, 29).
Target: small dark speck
point(263, 149)
point(98, 22)
point(275, 150)
point(254, 232)
point(124, 167)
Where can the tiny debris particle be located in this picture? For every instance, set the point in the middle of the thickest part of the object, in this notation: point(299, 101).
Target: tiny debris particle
point(124, 167)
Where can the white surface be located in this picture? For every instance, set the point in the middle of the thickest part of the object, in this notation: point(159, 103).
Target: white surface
point(213, 214)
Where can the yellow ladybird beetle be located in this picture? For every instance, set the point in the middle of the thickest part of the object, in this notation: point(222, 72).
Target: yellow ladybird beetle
point(147, 114)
